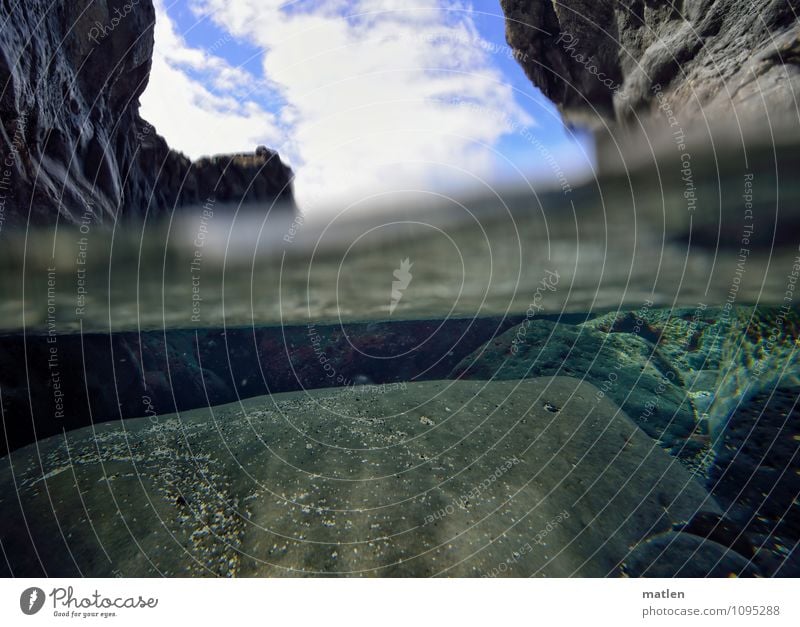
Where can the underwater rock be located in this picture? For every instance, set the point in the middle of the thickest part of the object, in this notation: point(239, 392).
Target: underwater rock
point(756, 473)
point(721, 530)
point(533, 477)
point(741, 368)
point(75, 146)
point(686, 555)
point(725, 354)
point(625, 367)
point(121, 375)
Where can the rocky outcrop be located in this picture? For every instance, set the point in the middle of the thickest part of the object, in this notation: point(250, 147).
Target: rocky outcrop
point(614, 60)
point(72, 142)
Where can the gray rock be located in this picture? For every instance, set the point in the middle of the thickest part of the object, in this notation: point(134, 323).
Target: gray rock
point(625, 367)
point(71, 73)
point(756, 473)
point(603, 58)
point(461, 478)
point(685, 555)
point(726, 355)
point(741, 369)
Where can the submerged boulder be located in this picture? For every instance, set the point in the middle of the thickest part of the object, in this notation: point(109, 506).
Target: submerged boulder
point(756, 475)
point(623, 366)
point(726, 355)
point(455, 478)
point(686, 555)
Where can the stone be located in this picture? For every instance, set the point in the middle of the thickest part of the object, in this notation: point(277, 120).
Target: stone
point(70, 127)
point(678, 97)
point(686, 555)
point(623, 366)
point(498, 485)
point(741, 369)
point(606, 60)
point(756, 470)
point(725, 354)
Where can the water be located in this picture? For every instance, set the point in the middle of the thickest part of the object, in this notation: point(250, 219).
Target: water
point(416, 385)
point(480, 257)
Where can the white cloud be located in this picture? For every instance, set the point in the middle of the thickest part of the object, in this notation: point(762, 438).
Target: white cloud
point(193, 116)
point(367, 88)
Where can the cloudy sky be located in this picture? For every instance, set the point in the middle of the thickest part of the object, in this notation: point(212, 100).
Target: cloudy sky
point(358, 96)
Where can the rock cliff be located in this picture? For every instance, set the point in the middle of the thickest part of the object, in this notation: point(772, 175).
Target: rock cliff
point(72, 143)
point(616, 60)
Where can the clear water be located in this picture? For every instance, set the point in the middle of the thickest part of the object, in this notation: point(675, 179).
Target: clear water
point(475, 257)
point(348, 326)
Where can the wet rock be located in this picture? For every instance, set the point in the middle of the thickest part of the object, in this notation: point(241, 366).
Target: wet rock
point(756, 471)
point(725, 354)
point(686, 555)
point(712, 526)
point(70, 132)
point(498, 485)
point(741, 368)
point(625, 367)
point(125, 374)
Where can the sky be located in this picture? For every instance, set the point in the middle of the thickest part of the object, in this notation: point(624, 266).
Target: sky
point(360, 97)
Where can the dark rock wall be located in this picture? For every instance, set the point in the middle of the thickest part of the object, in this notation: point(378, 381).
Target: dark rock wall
point(604, 58)
point(100, 377)
point(72, 142)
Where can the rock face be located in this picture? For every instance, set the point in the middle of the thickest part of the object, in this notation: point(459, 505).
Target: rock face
point(611, 58)
point(71, 139)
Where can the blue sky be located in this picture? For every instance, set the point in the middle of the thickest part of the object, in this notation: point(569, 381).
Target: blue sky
point(359, 96)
